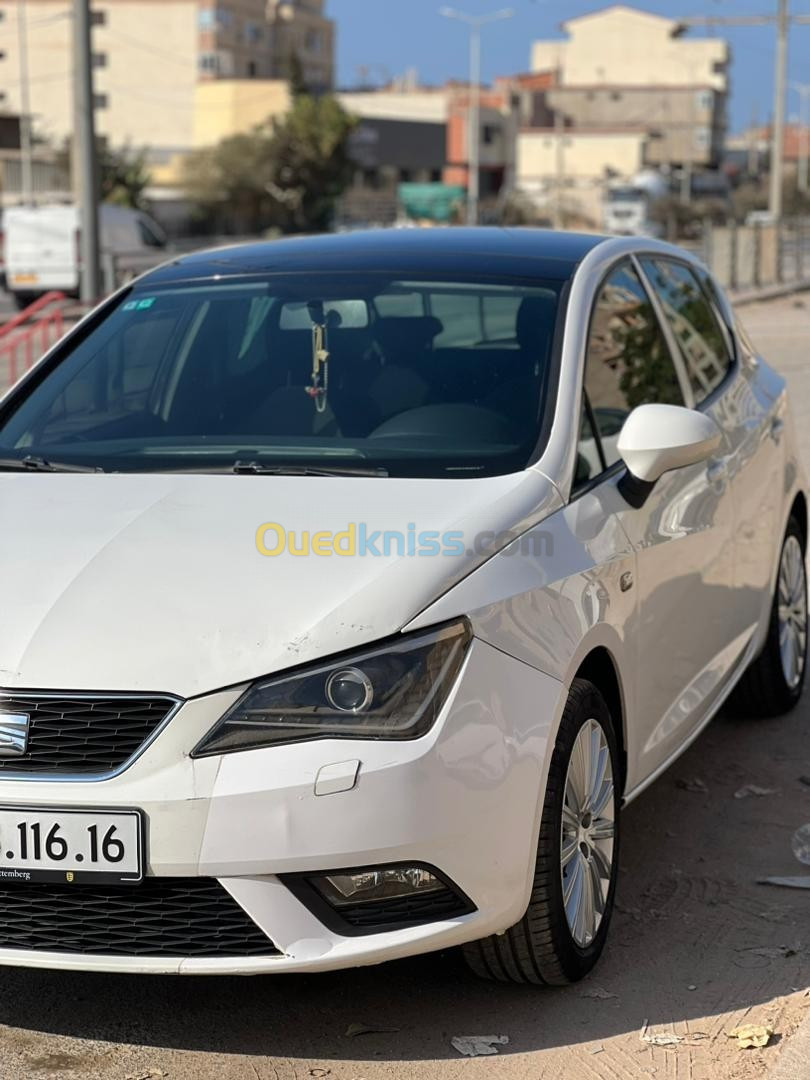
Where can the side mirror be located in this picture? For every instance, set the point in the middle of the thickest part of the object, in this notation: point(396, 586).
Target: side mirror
point(657, 438)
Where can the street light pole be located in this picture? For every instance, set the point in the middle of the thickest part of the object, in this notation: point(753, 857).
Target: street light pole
point(803, 90)
point(475, 23)
point(85, 152)
point(26, 152)
point(474, 127)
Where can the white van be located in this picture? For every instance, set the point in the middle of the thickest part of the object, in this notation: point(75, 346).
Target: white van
point(42, 246)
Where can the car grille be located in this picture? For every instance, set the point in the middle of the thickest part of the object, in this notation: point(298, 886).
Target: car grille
point(181, 917)
point(82, 735)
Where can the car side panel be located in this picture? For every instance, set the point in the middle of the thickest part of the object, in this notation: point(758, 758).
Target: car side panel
point(758, 487)
point(558, 592)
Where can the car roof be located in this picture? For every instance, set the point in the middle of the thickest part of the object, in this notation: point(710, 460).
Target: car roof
point(539, 253)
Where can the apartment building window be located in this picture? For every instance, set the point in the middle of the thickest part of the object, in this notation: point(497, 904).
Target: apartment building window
point(312, 41)
point(705, 99)
point(211, 18)
point(98, 18)
point(488, 134)
point(253, 33)
point(209, 63)
point(99, 60)
point(101, 101)
point(703, 137)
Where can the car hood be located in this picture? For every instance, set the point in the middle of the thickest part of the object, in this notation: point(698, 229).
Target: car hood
point(154, 582)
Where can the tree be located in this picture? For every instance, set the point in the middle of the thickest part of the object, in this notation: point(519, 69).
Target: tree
point(286, 174)
point(227, 182)
point(311, 167)
point(123, 175)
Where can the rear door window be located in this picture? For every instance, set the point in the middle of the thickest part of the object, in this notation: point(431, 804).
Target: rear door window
point(700, 337)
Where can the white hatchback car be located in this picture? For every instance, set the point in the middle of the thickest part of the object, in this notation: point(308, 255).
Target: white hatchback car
point(352, 585)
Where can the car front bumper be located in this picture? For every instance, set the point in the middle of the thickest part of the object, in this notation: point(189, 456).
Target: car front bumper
point(465, 798)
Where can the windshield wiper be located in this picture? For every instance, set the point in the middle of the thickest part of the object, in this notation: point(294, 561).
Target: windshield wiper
point(40, 464)
point(257, 468)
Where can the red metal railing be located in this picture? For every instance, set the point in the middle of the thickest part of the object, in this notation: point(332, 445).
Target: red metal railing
point(28, 335)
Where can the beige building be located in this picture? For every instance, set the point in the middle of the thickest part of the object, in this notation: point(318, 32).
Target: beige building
point(621, 67)
point(578, 155)
point(622, 45)
point(225, 106)
point(155, 61)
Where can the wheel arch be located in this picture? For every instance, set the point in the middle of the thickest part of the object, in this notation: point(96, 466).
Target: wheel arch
point(599, 667)
point(798, 510)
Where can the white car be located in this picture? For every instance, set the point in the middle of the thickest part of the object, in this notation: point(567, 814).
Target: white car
point(353, 585)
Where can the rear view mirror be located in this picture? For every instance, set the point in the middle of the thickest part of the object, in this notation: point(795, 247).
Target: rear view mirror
point(658, 438)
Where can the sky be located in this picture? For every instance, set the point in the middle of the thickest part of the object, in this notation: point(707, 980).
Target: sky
point(389, 36)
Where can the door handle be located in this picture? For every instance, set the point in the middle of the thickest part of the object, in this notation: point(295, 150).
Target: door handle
point(717, 474)
point(777, 427)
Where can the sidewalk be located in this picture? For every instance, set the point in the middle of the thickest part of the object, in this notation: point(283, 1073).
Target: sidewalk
point(793, 1062)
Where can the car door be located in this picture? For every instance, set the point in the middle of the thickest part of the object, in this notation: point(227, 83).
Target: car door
point(743, 397)
point(681, 535)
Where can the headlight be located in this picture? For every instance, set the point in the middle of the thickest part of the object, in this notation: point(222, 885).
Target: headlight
point(390, 691)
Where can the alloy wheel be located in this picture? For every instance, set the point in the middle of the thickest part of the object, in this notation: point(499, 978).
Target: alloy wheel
point(587, 833)
point(792, 611)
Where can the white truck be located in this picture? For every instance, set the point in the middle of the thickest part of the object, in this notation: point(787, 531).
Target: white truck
point(628, 205)
point(42, 246)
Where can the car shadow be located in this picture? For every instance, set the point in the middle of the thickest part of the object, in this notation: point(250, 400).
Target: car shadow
point(689, 915)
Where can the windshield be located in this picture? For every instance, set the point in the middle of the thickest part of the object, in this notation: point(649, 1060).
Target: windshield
point(627, 194)
point(402, 376)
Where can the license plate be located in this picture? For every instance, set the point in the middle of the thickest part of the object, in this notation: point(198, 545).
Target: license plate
point(25, 279)
point(45, 844)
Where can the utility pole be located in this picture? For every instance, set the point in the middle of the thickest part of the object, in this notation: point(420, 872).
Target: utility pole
point(783, 20)
point(84, 150)
point(475, 22)
point(779, 104)
point(26, 151)
point(803, 90)
point(559, 169)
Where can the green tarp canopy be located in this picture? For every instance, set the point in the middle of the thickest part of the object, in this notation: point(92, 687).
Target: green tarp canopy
point(431, 202)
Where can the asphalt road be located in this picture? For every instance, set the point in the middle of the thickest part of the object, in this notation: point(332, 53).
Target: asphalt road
point(682, 958)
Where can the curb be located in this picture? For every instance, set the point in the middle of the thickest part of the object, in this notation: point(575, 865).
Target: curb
point(770, 292)
point(794, 1061)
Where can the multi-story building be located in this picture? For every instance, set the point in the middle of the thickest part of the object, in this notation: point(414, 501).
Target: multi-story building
point(629, 90)
point(155, 61)
point(622, 68)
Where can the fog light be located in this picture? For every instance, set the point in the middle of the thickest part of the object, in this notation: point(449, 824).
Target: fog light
point(370, 886)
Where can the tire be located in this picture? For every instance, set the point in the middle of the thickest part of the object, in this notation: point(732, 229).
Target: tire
point(22, 300)
point(765, 689)
point(541, 948)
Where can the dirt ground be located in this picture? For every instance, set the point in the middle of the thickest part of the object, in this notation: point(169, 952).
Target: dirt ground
point(685, 955)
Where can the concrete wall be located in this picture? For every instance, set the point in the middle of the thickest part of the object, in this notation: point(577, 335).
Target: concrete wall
point(424, 105)
point(688, 121)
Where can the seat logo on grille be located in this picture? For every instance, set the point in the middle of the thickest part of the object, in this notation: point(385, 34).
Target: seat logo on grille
point(14, 728)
